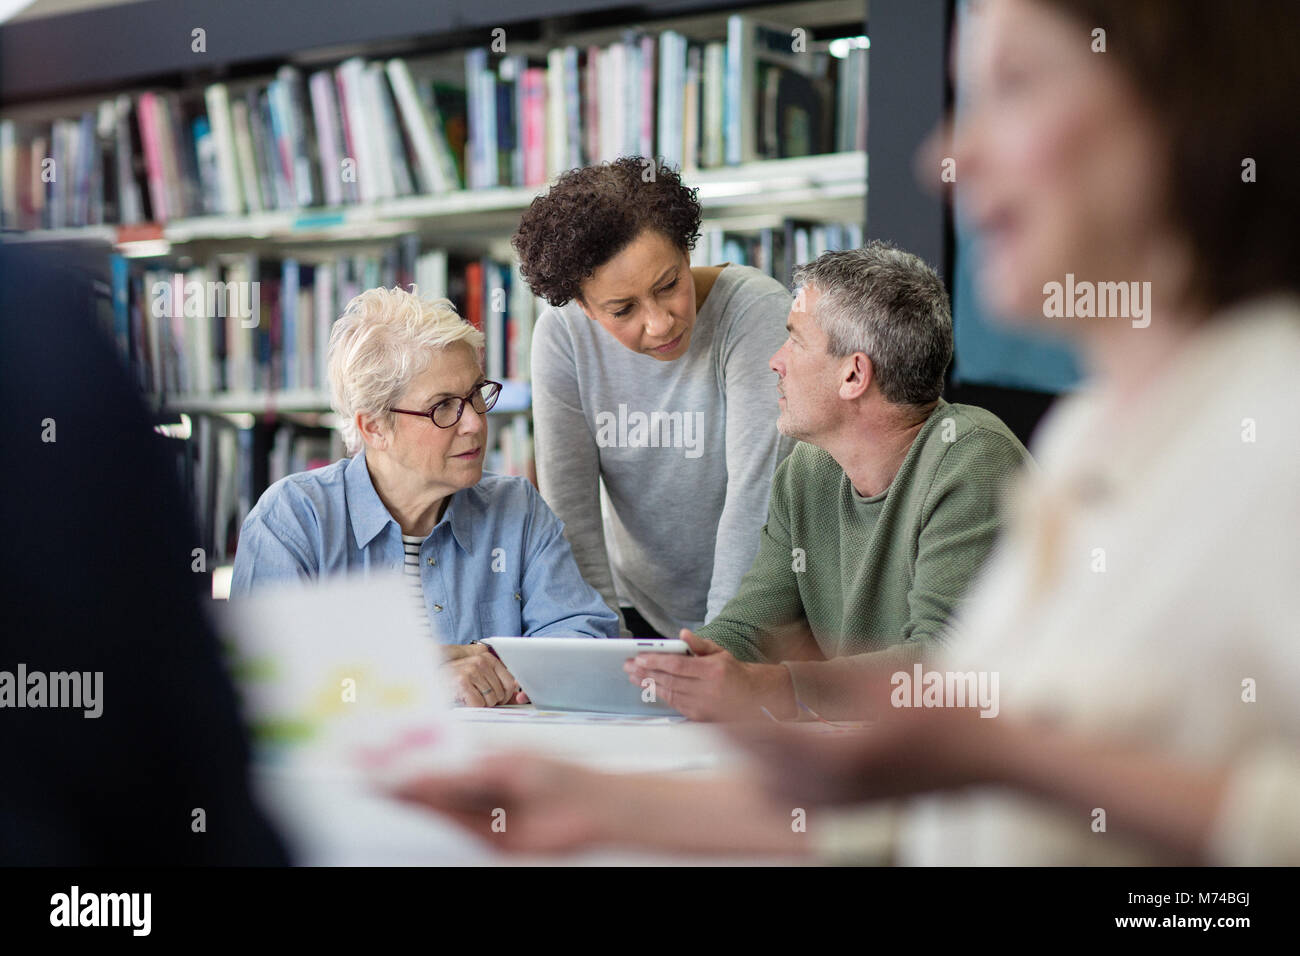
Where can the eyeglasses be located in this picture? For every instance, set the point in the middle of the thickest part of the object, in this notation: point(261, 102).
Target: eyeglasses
point(447, 412)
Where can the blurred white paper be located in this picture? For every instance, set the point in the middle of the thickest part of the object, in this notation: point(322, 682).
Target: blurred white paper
point(342, 678)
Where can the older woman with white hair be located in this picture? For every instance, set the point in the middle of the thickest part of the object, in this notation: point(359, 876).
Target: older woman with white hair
point(484, 555)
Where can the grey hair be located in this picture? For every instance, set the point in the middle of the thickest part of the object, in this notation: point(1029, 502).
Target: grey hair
point(891, 305)
point(383, 341)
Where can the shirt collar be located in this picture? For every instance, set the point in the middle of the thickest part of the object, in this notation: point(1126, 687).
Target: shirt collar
point(465, 509)
point(370, 517)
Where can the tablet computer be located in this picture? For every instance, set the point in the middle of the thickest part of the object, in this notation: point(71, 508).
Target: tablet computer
point(583, 673)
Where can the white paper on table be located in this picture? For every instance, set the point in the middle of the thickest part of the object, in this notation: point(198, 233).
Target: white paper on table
point(341, 677)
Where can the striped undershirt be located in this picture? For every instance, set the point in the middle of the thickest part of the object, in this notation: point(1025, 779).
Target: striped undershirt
point(411, 569)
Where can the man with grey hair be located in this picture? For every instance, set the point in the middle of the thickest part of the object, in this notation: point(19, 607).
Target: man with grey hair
point(878, 520)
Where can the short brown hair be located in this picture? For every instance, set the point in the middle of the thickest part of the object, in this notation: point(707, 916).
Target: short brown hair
point(594, 212)
point(1221, 79)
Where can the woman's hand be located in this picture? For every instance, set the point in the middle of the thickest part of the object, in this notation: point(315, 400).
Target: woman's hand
point(479, 678)
point(519, 802)
point(523, 803)
point(911, 751)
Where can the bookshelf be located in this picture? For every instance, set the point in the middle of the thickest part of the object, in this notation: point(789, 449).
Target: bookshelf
point(220, 171)
point(813, 187)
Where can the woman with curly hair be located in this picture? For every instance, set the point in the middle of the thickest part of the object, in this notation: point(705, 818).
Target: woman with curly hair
point(650, 377)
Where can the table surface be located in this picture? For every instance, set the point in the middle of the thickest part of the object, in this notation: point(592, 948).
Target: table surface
point(332, 820)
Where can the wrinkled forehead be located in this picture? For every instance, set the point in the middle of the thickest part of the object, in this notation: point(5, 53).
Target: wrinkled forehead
point(453, 370)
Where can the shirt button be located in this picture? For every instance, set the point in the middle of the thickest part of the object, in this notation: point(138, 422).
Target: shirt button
point(432, 562)
point(437, 607)
point(517, 597)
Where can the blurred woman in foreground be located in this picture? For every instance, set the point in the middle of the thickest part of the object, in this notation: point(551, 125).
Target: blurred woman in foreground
point(1129, 169)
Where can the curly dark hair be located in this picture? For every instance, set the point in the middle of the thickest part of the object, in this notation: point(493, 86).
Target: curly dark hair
point(594, 212)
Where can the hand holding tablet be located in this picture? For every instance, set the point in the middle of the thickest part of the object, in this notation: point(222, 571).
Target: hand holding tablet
point(580, 673)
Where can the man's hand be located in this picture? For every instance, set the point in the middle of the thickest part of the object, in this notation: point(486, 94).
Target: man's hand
point(479, 678)
point(713, 685)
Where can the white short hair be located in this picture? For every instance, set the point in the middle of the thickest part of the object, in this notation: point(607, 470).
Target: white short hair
point(384, 340)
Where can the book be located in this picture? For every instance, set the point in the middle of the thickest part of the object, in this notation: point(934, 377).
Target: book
point(331, 147)
point(369, 130)
point(420, 126)
point(754, 48)
point(533, 121)
point(230, 200)
point(392, 151)
point(672, 98)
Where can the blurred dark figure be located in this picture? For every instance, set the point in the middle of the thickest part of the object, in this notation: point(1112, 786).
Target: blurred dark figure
point(96, 572)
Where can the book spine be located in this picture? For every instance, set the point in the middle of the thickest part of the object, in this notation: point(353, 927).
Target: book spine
point(448, 128)
point(217, 100)
point(120, 269)
point(474, 294)
point(205, 148)
point(104, 207)
point(87, 160)
point(301, 139)
point(714, 108)
point(261, 153)
point(691, 111)
point(128, 192)
point(147, 113)
point(593, 74)
point(557, 144)
point(862, 84)
point(534, 122)
point(347, 176)
point(476, 142)
point(398, 181)
point(320, 88)
point(273, 155)
point(572, 109)
point(179, 160)
point(494, 321)
point(8, 175)
point(646, 138)
point(325, 313)
point(418, 126)
point(360, 139)
point(739, 111)
point(282, 137)
point(289, 310)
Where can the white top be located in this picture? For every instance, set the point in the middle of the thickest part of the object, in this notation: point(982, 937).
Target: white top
point(1150, 575)
point(411, 574)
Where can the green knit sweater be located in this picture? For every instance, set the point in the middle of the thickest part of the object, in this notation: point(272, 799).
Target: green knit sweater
point(871, 575)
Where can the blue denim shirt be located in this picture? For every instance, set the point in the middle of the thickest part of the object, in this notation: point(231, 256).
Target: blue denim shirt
point(497, 562)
